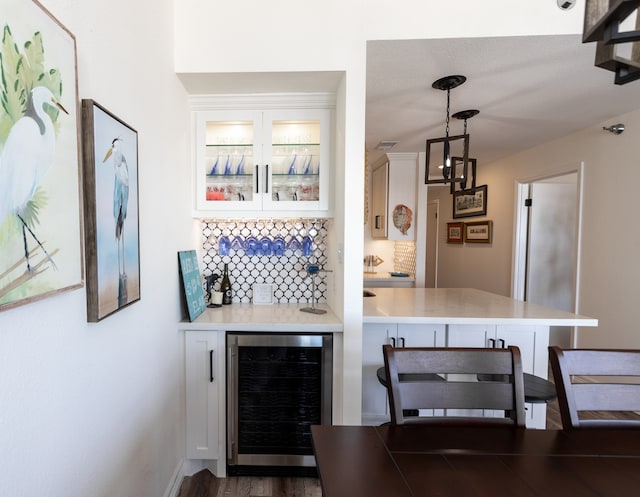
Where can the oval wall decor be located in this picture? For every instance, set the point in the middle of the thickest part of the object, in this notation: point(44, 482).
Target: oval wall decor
point(402, 216)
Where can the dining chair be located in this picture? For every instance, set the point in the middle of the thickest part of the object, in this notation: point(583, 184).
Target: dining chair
point(595, 386)
point(461, 390)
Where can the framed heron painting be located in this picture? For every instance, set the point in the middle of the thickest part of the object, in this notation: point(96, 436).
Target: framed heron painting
point(112, 236)
point(40, 216)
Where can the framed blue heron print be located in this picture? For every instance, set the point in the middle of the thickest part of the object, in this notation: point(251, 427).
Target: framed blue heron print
point(112, 237)
point(40, 216)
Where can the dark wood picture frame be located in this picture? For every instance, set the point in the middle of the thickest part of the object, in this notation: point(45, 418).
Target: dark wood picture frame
point(478, 232)
point(111, 206)
point(471, 202)
point(455, 232)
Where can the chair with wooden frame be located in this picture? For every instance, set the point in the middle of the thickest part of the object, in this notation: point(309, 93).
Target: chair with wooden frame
point(596, 383)
point(461, 390)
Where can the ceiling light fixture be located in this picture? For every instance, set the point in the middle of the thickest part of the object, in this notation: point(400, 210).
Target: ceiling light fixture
point(447, 83)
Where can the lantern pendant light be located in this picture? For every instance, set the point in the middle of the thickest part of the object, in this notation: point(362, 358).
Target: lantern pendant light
point(447, 83)
point(464, 115)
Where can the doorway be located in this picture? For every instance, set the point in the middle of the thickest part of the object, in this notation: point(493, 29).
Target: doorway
point(547, 247)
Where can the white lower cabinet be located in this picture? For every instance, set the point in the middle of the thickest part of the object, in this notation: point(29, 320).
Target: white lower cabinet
point(531, 340)
point(205, 394)
point(375, 406)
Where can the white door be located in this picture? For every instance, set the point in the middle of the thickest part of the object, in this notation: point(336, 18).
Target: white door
point(548, 242)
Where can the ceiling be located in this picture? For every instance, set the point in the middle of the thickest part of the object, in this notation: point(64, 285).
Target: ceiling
point(529, 90)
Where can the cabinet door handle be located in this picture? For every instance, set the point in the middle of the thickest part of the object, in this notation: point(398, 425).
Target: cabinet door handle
point(401, 341)
point(211, 377)
point(378, 224)
point(257, 182)
point(492, 343)
point(502, 343)
point(393, 342)
point(266, 178)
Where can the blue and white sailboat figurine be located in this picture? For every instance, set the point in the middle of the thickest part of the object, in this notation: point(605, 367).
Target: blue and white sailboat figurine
point(240, 168)
point(227, 166)
point(214, 168)
point(292, 166)
point(307, 166)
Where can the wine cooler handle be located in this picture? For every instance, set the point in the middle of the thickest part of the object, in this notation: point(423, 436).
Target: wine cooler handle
point(266, 178)
point(232, 399)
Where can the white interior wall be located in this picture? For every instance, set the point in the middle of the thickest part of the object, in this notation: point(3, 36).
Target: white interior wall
point(96, 409)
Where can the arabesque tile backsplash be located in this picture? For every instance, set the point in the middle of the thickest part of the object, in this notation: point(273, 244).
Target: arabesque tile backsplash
point(287, 272)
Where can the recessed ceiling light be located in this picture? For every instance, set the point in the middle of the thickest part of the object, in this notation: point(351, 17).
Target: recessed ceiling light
point(386, 145)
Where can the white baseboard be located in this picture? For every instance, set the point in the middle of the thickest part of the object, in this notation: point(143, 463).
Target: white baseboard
point(176, 480)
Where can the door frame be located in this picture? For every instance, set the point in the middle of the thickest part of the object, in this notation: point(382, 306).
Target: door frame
point(435, 244)
point(518, 269)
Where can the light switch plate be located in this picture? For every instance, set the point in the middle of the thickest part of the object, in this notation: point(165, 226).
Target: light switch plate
point(262, 293)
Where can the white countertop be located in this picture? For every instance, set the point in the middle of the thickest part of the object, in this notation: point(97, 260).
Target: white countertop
point(275, 318)
point(460, 306)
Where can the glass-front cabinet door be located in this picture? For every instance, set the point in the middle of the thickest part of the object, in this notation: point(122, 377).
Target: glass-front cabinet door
point(228, 159)
point(298, 159)
point(272, 161)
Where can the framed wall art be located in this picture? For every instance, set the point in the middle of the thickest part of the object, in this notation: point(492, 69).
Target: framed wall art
point(471, 202)
point(455, 232)
point(112, 237)
point(40, 216)
point(478, 232)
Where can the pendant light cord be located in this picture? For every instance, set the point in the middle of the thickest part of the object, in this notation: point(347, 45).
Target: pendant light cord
point(447, 123)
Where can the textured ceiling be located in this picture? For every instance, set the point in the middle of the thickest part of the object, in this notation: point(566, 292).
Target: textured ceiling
point(529, 90)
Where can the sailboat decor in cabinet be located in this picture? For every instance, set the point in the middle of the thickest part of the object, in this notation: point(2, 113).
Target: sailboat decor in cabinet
point(262, 161)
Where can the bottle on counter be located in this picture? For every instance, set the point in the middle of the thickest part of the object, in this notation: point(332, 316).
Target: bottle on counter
point(225, 286)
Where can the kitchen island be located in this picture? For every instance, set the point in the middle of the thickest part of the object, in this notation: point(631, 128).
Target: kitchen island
point(454, 317)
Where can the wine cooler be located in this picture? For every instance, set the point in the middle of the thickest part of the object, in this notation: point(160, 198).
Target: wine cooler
point(278, 385)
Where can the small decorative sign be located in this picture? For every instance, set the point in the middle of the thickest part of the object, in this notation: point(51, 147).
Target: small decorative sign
point(262, 293)
point(193, 296)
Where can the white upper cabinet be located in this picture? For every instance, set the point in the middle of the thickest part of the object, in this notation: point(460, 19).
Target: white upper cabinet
point(393, 197)
point(262, 162)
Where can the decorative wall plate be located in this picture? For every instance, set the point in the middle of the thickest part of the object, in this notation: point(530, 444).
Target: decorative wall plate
point(402, 217)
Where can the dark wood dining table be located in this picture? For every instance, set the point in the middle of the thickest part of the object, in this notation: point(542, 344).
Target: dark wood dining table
point(423, 460)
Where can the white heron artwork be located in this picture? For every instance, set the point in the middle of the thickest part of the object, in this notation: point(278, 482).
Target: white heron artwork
point(111, 174)
point(28, 154)
point(40, 247)
point(120, 201)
